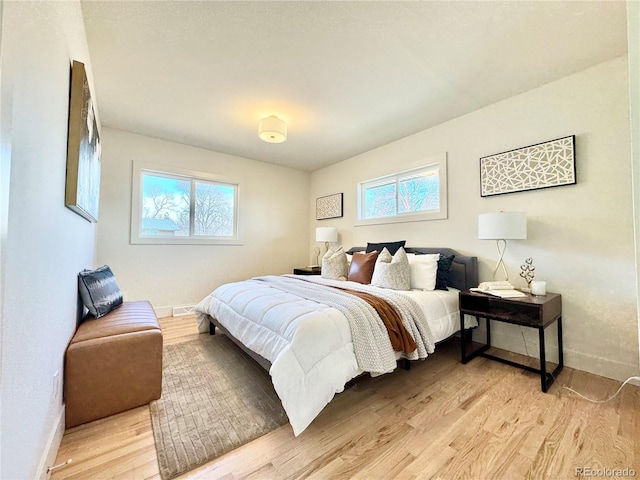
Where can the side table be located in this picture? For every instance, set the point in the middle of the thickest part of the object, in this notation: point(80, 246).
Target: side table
point(531, 311)
point(307, 271)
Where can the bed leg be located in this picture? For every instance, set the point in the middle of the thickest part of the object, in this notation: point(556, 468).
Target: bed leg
point(212, 328)
point(407, 364)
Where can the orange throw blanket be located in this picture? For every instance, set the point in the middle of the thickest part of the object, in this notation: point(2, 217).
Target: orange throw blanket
point(401, 339)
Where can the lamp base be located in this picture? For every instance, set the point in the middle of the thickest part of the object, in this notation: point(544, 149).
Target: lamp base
point(501, 249)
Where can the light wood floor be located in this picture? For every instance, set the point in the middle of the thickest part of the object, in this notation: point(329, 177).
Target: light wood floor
point(439, 420)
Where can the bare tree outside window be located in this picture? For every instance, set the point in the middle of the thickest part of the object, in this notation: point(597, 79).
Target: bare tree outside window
point(214, 210)
point(409, 192)
point(169, 198)
point(380, 201)
point(160, 203)
point(418, 193)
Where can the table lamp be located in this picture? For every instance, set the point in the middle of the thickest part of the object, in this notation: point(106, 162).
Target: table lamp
point(326, 235)
point(502, 226)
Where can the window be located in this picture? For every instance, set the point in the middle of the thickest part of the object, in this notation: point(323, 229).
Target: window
point(180, 206)
point(411, 195)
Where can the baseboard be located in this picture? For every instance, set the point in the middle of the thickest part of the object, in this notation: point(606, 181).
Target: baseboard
point(603, 367)
point(53, 444)
point(174, 310)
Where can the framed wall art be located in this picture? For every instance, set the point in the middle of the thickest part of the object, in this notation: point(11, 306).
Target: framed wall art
point(544, 165)
point(329, 206)
point(82, 189)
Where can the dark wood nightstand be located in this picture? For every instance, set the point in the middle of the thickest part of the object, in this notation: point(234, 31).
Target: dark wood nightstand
point(531, 311)
point(307, 271)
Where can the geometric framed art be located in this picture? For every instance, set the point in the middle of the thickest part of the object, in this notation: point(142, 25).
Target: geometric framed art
point(82, 188)
point(543, 165)
point(329, 206)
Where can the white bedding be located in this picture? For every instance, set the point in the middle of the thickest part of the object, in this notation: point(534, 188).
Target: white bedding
point(310, 363)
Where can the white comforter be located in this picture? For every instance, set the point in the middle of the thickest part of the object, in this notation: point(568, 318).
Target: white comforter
point(310, 363)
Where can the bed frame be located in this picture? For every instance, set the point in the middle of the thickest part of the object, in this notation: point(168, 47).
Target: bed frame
point(462, 276)
point(263, 362)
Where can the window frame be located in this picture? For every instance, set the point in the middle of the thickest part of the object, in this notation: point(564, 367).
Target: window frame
point(439, 162)
point(140, 168)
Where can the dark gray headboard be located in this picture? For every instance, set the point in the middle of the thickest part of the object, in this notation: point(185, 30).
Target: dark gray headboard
point(464, 270)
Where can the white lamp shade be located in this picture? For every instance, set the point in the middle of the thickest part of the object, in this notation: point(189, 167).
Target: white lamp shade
point(326, 234)
point(272, 129)
point(502, 226)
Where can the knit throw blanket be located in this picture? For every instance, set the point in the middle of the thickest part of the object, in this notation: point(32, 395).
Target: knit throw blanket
point(371, 343)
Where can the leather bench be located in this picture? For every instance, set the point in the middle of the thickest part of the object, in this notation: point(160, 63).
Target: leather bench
point(113, 364)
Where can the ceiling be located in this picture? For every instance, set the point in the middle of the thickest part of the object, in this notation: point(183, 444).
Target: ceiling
point(346, 76)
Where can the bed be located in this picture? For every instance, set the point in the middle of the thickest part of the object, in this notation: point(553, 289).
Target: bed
point(314, 338)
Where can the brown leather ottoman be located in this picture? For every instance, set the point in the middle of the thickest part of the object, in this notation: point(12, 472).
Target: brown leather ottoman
point(113, 364)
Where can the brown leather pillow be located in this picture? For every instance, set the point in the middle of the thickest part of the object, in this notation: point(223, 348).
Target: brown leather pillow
point(362, 265)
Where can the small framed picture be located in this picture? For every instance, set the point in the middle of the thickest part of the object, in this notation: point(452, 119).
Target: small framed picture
point(329, 206)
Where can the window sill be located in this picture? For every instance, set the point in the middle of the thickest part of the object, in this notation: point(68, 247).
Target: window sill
point(184, 241)
point(421, 217)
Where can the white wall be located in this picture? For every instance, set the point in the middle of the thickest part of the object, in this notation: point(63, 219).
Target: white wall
point(46, 243)
point(580, 236)
point(633, 38)
point(274, 218)
point(5, 169)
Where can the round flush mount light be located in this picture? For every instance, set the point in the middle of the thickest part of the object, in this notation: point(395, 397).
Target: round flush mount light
point(273, 130)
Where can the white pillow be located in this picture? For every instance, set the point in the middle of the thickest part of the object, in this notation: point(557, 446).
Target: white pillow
point(424, 269)
point(334, 264)
point(392, 272)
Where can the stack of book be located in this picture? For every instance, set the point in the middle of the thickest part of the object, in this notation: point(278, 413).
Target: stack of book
point(501, 289)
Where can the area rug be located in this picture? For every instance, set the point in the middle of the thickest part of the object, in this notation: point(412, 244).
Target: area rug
point(214, 399)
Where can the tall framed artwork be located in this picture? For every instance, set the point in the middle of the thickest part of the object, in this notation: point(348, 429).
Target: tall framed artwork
point(82, 188)
point(543, 165)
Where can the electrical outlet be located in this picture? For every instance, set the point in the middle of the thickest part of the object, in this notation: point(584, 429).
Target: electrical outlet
point(56, 385)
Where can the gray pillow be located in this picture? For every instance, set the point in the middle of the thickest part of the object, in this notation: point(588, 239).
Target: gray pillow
point(334, 264)
point(99, 291)
point(392, 272)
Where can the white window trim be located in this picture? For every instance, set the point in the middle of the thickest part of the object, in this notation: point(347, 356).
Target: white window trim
point(136, 203)
point(437, 160)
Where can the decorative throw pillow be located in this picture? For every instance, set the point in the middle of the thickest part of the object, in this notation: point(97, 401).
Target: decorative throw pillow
point(99, 291)
point(392, 272)
point(424, 271)
point(391, 246)
point(442, 274)
point(334, 264)
point(361, 268)
point(385, 256)
point(351, 251)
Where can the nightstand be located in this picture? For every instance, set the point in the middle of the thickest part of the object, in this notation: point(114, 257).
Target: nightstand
point(531, 311)
point(307, 271)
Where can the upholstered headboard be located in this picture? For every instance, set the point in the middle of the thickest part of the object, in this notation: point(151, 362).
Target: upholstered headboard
point(464, 270)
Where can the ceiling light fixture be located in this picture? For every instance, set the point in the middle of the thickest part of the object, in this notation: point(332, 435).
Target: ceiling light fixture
point(273, 130)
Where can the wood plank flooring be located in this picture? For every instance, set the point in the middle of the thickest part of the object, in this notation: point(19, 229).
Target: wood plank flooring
point(440, 420)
